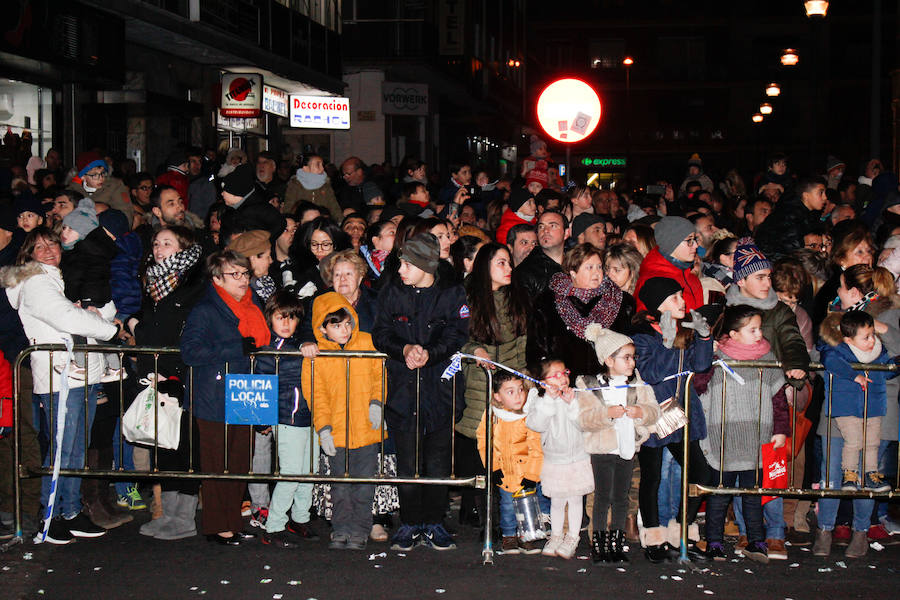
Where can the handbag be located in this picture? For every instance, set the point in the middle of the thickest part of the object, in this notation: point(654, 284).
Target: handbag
point(138, 420)
point(671, 415)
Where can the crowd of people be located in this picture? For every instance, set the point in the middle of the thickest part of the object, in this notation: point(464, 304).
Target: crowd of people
point(607, 298)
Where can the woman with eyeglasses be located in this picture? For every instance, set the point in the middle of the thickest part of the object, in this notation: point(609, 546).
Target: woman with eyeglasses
point(94, 180)
point(314, 241)
point(673, 258)
point(222, 330)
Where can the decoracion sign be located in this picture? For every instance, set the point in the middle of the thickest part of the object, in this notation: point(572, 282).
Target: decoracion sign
point(275, 101)
point(404, 98)
point(320, 112)
point(241, 95)
point(251, 399)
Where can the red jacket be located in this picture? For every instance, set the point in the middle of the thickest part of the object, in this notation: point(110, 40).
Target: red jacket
point(655, 265)
point(177, 180)
point(6, 385)
point(509, 220)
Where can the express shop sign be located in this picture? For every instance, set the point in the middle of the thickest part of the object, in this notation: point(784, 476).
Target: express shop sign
point(320, 112)
point(241, 95)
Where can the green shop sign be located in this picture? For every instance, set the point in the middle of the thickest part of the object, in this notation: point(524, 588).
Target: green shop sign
point(615, 162)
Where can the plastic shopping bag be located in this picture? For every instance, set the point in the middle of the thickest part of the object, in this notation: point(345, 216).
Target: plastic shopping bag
point(138, 421)
point(775, 473)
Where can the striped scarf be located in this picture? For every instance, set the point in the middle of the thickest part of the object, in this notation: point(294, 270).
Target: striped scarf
point(164, 277)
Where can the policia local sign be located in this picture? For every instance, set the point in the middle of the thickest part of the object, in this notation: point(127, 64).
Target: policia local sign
point(242, 95)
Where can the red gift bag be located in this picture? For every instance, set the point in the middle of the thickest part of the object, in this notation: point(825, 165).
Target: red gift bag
point(774, 468)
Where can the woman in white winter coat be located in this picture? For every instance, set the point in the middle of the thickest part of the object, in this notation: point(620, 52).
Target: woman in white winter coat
point(34, 286)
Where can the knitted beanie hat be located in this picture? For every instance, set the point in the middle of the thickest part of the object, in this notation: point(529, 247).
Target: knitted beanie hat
point(422, 251)
point(517, 198)
point(240, 181)
point(695, 161)
point(538, 174)
point(670, 232)
point(83, 219)
point(88, 160)
point(606, 341)
point(748, 259)
point(655, 291)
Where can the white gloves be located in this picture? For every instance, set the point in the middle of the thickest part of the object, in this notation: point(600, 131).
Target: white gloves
point(668, 329)
point(375, 412)
point(326, 440)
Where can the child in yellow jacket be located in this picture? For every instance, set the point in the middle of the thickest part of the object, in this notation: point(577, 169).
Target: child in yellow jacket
point(336, 327)
point(517, 455)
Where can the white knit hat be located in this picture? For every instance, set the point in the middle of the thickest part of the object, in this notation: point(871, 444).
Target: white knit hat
point(606, 341)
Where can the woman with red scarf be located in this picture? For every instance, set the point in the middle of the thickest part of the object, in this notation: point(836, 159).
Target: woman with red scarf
point(221, 332)
point(576, 297)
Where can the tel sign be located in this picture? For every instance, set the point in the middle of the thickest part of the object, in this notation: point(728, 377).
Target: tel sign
point(568, 110)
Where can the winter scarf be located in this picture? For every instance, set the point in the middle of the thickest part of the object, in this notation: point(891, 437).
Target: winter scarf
point(579, 307)
point(866, 357)
point(311, 181)
point(251, 322)
point(739, 351)
point(861, 305)
point(164, 277)
point(375, 258)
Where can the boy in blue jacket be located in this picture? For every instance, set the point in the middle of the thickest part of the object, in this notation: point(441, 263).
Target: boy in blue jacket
point(297, 443)
point(858, 343)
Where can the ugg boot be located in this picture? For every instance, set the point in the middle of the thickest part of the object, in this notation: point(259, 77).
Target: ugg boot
point(168, 504)
point(859, 545)
point(631, 529)
point(92, 490)
point(653, 539)
point(183, 521)
point(822, 545)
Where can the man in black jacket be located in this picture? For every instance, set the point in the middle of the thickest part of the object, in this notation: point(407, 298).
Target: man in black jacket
point(247, 209)
point(421, 322)
point(533, 274)
point(782, 232)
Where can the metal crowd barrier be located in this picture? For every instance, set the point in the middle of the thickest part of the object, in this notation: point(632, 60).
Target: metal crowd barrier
point(21, 471)
point(694, 490)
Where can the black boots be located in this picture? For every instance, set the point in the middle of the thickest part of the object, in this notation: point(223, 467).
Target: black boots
point(599, 547)
point(616, 547)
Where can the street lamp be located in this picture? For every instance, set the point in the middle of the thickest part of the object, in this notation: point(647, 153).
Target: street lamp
point(816, 8)
point(628, 61)
point(765, 108)
point(789, 58)
point(757, 118)
point(773, 89)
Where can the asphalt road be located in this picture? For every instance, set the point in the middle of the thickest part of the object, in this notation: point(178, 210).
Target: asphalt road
point(124, 564)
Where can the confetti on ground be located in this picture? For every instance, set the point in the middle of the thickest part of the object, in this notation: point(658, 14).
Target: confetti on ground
point(293, 582)
point(735, 560)
point(224, 582)
point(710, 592)
point(649, 591)
point(876, 546)
point(27, 556)
point(841, 564)
point(582, 558)
point(377, 566)
point(266, 580)
point(700, 586)
point(871, 566)
point(277, 596)
point(582, 570)
point(825, 570)
point(193, 588)
point(41, 592)
point(6, 568)
point(440, 590)
point(49, 570)
point(794, 565)
point(748, 571)
point(663, 577)
point(266, 567)
point(620, 570)
point(401, 554)
point(682, 570)
point(676, 578)
point(380, 555)
point(805, 549)
point(202, 592)
point(97, 568)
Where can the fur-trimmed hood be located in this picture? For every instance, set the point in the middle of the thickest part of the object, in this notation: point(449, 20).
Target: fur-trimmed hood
point(13, 275)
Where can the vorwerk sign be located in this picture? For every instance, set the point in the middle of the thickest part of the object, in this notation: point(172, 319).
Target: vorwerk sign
point(404, 98)
point(320, 112)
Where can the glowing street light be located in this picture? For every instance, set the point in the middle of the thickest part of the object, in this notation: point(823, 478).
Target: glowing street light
point(773, 89)
point(628, 61)
point(790, 58)
point(757, 118)
point(765, 108)
point(816, 8)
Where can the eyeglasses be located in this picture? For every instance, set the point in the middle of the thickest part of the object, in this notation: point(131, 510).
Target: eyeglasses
point(100, 175)
point(145, 188)
point(692, 241)
point(321, 245)
point(346, 174)
point(238, 275)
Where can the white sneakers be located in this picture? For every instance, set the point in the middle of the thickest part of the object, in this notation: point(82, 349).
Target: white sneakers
point(568, 547)
point(552, 546)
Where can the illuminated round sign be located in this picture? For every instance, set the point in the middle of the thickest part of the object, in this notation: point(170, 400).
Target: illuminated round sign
point(568, 110)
